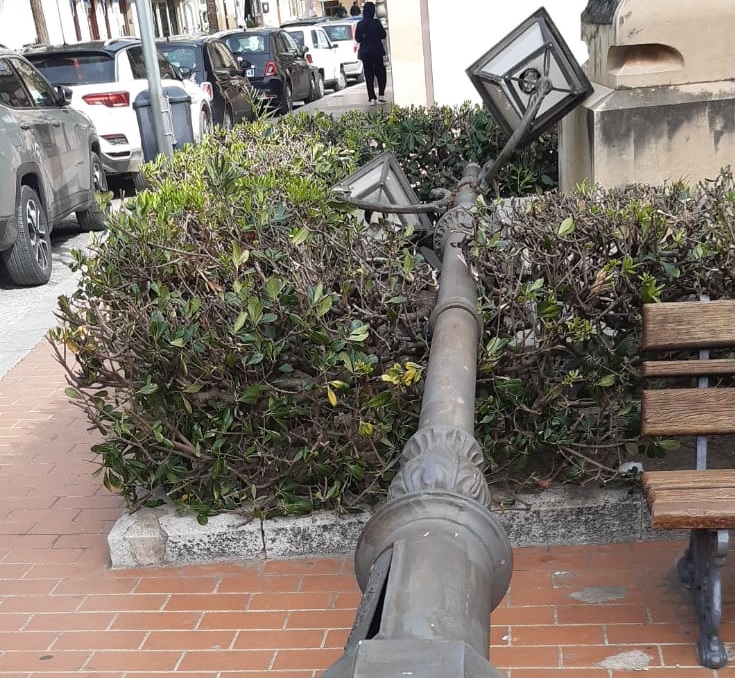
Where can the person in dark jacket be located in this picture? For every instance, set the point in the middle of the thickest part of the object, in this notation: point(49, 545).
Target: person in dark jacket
point(355, 9)
point(370, 34)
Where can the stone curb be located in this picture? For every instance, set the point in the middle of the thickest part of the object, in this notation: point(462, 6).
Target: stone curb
point(555, 517)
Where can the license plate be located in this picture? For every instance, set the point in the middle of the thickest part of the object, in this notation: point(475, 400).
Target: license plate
point(250, 73)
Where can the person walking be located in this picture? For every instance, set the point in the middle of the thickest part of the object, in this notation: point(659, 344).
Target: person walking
point(355, 9)
point(369, 34)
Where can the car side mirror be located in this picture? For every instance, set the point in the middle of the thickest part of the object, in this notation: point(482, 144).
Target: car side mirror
point(303, 50)
point(184, 71)
point(63, 95)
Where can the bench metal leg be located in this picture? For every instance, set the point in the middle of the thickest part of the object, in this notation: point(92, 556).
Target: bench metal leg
point(699, 570)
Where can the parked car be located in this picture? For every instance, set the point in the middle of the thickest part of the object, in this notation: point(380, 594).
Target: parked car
point(106, 77)
point(275, 65)
point(342, 34)
point(304, 21)
point(321, 52)
point(50, 167)
point(208, 62)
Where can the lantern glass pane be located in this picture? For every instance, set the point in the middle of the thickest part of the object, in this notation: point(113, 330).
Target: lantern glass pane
point(517, 51)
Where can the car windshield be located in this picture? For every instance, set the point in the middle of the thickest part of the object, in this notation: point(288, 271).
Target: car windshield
point(343, 32)
point(246, 44)
point(182, 56)
point(75, 69)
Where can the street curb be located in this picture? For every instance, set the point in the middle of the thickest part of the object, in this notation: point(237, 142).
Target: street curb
point(155, 537)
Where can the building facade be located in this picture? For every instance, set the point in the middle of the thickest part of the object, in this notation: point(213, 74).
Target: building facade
point(431, 41)
point(68, 21)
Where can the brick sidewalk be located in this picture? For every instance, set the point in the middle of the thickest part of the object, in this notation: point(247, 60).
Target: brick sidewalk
point(572, 611)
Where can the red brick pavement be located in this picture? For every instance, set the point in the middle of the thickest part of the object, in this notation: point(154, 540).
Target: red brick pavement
point(64, 611)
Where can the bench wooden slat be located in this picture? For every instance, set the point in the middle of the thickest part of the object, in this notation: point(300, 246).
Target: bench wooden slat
point(688, 479)
point(688, 411)
point(687, 368)
point(688, 324)
point(696, 509)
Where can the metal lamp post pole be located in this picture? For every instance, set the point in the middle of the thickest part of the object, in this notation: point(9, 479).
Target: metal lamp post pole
point(160, 109)
point(433, 562)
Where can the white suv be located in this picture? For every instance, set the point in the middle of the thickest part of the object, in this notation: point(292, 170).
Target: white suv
point(323, 53)
point(106, 78)
point(49, 168)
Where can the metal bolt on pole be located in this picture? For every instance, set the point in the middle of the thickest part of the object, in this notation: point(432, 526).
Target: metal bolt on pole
point(433, 562)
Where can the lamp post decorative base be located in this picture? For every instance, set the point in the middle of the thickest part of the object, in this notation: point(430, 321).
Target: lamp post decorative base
point(418, 658)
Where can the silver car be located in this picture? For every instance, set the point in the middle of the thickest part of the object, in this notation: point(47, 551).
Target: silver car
point(50, 167)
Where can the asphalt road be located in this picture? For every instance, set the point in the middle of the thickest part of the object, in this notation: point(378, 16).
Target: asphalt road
point(27, 313)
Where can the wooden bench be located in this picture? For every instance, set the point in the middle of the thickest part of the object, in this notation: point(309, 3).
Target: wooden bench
point(700, 500)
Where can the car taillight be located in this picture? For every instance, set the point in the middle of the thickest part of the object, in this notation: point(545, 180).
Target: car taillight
point(270, 69)
point(309, 59)
point(109, 99)
point(206, 87)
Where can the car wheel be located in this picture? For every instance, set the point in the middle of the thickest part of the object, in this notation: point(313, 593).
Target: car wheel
point(286, 98)
point(341, 81)
point(139, 182)
point(205, 122)
point(319, 86)
point(93, 218)
point(28, 262)
point(227, 119)
point(316, 87)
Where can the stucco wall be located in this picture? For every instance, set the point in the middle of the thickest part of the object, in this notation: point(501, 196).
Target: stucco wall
point(459, 32)
point(408, 37)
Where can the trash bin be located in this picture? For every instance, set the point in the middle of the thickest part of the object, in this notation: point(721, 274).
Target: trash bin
point(180, 111)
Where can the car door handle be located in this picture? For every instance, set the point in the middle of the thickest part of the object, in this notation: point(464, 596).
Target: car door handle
point(24, 125)
point(56, 123)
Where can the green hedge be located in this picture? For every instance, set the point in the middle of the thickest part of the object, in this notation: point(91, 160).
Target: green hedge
point(244, 343)
point(563, 286)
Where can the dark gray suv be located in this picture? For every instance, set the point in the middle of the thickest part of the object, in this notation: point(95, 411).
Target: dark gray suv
point(50, 167)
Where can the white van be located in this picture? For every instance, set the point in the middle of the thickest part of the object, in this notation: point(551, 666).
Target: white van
point(322, 53)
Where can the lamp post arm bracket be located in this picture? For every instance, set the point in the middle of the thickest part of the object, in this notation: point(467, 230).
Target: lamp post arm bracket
point(491, 167)
point(386, 208)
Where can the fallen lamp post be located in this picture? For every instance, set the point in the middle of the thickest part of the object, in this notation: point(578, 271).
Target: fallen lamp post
point(434, 561)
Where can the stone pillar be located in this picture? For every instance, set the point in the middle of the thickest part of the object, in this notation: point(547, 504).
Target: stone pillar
point(663, 106)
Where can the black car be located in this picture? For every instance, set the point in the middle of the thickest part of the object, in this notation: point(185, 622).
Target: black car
point(207, 61)
point(275, 65)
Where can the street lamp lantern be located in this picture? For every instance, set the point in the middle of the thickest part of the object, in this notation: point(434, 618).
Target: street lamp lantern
point(531, 61)
point(382, 182)
point(529, 81)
